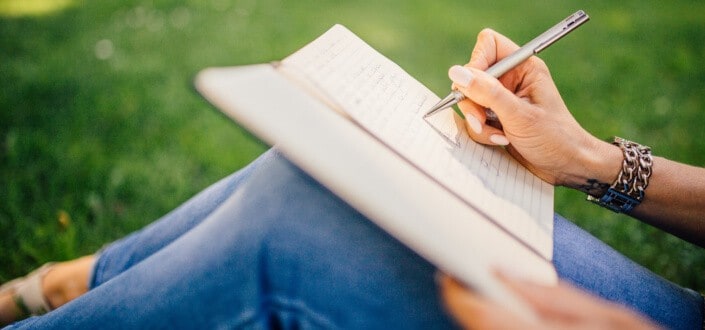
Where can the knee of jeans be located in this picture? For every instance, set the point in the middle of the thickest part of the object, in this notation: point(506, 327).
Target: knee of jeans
point(314, 247)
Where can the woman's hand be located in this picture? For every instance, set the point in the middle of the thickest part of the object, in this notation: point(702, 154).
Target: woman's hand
point(539, 131)
point(535, 125)
point(559, 307)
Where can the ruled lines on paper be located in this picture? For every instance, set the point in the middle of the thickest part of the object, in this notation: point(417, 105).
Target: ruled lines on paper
point(386, 101)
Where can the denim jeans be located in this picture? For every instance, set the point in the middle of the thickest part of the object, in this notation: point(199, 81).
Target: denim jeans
point(269, 247)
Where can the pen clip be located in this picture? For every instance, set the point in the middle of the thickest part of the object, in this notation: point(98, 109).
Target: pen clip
point(561, 29)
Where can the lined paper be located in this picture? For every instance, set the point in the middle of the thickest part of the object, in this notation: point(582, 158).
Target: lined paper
point(382, 98)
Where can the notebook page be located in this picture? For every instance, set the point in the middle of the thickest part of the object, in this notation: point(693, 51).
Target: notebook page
point(389, 103)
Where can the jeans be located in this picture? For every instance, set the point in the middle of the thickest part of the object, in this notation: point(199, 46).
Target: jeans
point(269, 247)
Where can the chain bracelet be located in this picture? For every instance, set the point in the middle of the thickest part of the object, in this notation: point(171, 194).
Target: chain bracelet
point(628, 190)
point(636, 168)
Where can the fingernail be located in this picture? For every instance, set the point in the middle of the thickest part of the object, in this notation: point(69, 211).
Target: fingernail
point(474, 123)
point(460, 75)
point(499, 139)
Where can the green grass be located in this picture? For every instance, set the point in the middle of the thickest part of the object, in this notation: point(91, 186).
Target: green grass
point(101, 131)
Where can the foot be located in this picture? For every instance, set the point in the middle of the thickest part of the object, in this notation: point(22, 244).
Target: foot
point(23, 296)
point(67, 281)
point(45, 289)
point(9, 311)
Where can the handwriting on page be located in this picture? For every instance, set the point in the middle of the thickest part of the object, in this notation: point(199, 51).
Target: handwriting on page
point(389, 103)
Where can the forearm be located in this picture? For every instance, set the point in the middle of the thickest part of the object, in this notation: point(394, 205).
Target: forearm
point(674, 201)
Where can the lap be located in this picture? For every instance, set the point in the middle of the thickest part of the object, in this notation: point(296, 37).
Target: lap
point(589, 263)
point(283, 250)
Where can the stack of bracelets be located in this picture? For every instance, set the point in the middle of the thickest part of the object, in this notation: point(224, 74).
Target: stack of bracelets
point(628, 190)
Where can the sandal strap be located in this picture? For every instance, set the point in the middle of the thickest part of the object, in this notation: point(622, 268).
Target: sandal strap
point(28, 293)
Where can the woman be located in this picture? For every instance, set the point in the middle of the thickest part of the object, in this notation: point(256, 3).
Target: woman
point(269, 247)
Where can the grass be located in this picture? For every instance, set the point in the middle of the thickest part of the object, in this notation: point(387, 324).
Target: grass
point(101, 131)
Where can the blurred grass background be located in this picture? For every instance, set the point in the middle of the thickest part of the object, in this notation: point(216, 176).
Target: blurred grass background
point(101, 131)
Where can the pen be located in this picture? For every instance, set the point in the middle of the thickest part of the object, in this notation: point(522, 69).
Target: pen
point(533, 47)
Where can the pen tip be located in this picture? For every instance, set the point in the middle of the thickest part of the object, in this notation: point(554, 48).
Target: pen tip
point(429, 113)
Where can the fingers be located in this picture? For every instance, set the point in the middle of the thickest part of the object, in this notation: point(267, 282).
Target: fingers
point(562, 299)
point(474, 311)
point(483, 92)
point(558, 307)
point(504, 95)
point(565, 304)
point(490, 48)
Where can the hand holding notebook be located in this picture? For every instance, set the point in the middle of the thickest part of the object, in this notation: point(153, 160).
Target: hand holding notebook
point(353, 120)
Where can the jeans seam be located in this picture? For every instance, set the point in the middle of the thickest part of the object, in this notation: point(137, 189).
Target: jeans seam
point(274, 305)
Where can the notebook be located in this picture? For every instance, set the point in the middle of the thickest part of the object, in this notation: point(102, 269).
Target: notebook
point(353, 120)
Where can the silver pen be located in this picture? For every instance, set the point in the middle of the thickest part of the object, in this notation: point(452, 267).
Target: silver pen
point(533, 47)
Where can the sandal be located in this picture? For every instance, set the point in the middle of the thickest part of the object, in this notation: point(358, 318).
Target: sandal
point(27, 292)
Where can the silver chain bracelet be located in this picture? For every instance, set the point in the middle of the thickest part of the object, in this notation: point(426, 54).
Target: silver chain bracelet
point(628, 190)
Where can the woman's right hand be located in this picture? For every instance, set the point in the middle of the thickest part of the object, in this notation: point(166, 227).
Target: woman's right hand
point(536, 126)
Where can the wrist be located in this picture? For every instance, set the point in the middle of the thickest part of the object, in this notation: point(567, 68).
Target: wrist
point(598, 164)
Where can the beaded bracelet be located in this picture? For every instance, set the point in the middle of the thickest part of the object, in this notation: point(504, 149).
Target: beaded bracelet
point(628, 190)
